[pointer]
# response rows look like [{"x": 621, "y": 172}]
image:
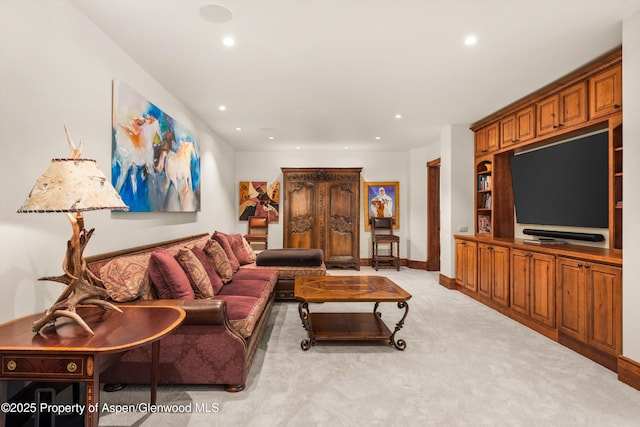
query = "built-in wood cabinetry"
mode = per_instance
[
  {"x": 562, "y": 110},
  {"x": 518, "y": 127},
  {"x": 487, "y": 139},
  {"x": 532, "y": 286},
  {"x": 321, "y": 209},
  {"x": 466, "y": 260},
  {"x": 493, "y": 273},
  {"x": 605, "y": 92},
  {"x": 590, "y": 303},
  {"x": 569, "y": 293}
]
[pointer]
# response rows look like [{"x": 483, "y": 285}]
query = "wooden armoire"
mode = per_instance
[{"x": 321, "y": 209}]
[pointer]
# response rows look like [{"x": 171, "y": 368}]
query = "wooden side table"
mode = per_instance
[{"x": 67, "y": 353}]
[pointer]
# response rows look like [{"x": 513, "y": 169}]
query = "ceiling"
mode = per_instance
[{"x": 329, "y": 74}]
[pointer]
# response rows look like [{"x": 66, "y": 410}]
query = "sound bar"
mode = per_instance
[{"x": 590, "y": 237}]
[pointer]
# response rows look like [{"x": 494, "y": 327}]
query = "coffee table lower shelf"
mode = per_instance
[{"x": 348, "y": 327}]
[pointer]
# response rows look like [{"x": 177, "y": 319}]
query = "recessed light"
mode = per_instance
[
  {"x": 238, "y": 129},
  {"x": 272, "y": 137},
  {"x": 222, "y": 108},
  {"x": 377, "y": 137},
  {"x": 297, "y": 148},
  {"x": 471, "y": 40},
  {"x": 228, "y": 41},
  {"x": 216, "y": 13},
  {"x": 398, "y": 116},
  {"x": 346, "y": 148}
]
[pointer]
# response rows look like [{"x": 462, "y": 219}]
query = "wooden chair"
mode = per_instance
[
  {"x": 382, "y": 234},
  {"x": 258, "y": 231}
]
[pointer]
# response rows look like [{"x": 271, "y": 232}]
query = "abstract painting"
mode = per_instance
[
  {"x": 155, "y": 163},
  {"x": 259, "y": 199},
  {"x": 382, "y": 199}
]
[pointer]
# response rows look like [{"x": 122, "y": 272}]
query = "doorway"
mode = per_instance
[{"x": 433, "y": 215}]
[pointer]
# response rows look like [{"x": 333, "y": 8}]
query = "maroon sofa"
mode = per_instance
[{"x": 218, "y": 339}]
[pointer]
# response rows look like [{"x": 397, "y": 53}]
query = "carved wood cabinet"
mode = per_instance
[{"x": 321, "y": 209}]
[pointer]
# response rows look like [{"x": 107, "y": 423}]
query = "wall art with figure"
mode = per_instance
[
  {"x": 382, "y": 199},
  {"x": 257, "y": 198},
  {"x": 155, "y": 163}
]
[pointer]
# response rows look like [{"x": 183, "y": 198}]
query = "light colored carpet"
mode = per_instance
[{"x": 464, "y": 365}]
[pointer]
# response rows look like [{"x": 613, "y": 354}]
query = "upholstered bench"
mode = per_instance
[{"x": 291, "y": 263}]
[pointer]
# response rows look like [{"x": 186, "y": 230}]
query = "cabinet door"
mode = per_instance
[
  {"x": 542, "y": 288},
  {"x": 604, "y": 309},
  {"x": 500, "y": 288},
  {"x": 519, "y": 283},
  {"x": 300, "y": 217},
  {"x": 485, "y": 269},
  {"x": 339, "y": 227},
  {"x": 481, "y": 141},
  {"x": 573, "y": 101},
  {"x": 460, "y": 262},
  {"x": 508, "y": 129},
  {"x": 571, "y": 298},
  {"x": 547, "y": 115},
  {"x": 605, "y": 92},
  {"x": 525, "y": 124},
  {"x": 471, "y": 282},
  {"x": 493, "y": 136}
]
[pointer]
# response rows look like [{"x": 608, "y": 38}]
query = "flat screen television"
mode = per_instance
[{"x": 566, "y": 184}]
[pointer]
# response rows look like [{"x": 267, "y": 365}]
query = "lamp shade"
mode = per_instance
[{"x": 72, "y": 185}]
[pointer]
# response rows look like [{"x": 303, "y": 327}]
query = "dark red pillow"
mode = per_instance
[
  {"x": 235, "y": 240},
  {"x": 168, "y": 277},
  {"x": 216, "y": 281},
  {"x": 223, "y": 241}
]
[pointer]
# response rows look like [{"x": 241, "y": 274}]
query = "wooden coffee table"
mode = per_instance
[
  {"x": 349, "y": 326},
  {"x": 67, "y": 353}
]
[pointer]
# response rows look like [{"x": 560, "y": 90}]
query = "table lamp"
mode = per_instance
[{"x": 74, "y": 185}]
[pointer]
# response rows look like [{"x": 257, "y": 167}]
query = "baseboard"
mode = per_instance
[
  {"x": 629, "y": 372},
  {"x": 418, "y": 265},
  {"x": 447, "y": 282}
]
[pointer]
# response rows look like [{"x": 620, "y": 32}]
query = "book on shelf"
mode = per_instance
[
  {"x": 486, "y": 201},
  {"x": 484, "y": 182}
]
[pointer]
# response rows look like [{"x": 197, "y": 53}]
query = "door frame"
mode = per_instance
[{"x": 433, "y": 215}]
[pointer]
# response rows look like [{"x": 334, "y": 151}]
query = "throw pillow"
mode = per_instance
[
  {"x": 196, "y": 273},
  {"x": 125, "y": 278},
  {"x": 216, "y": 281},
  {"x": 223, "y": 240},
  {"x": 235, "y": 240},
  {"x": 218, "y": 258},
  {"x": 249, "y": 249},
  {"x": 168, "y": 277}
]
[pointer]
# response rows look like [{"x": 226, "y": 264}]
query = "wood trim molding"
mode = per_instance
[
  {"x": 447, "y": 282},
  {"x": 629, "y": 372},
  {"x": 418, "y": 265}
]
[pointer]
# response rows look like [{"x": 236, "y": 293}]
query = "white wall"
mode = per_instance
[
  {"x": 376, "y": 166},
  {"x": 631, "y": 181},
  {"x": 456, "y": 191},
  {"x": 55, "y": 67},
  {"x": 418, "y": 159}
]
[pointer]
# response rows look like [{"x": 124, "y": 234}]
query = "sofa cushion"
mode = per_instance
[
  {"x": 125, "y": 278},
  {"x": 290, "y": 257},
  {"x": 216, "y": 281},
  {"x": 222, "y": 239},
  {"x": 237, "y": 246},
  {"x": 256, "y": 273},
  {"x": 196, "y": 273},
  {"x": 218, "y": 258},
  {"x": 249, "y": 249},
  {"x": 247, "y": 288},
  {"x": 243, "y": 312},
  {"x": 168, "y": 277}
]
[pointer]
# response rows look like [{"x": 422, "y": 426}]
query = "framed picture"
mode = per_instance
[
  {"x": 258, "y": 198},
  {"x": 155, "y": 164},
  {"x": 382, "y": 199}
]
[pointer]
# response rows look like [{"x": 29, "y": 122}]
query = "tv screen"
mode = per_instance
[{"x": 565, "y": 184}]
